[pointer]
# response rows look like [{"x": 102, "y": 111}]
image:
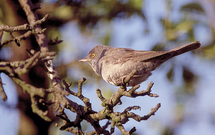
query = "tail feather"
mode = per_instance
[
  {"x": 164, "y": 56},
  {"x": 185, "y": 48}
]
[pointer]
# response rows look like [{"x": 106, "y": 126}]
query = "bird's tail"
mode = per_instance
[
  {"x": 164, "y": 56},
  {"x": 185, "y": 48}
]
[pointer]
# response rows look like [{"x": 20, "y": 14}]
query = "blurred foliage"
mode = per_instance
[
  {"x": 170, "y": 74},
  {"x": 193, "y": 7},
  {"x": 183, "y": 29},
  {"x": 168, "y": 131},
  {"x": 209, "y": 51},
  {"x": 189, "y": 78},
  {"x": 89, "y": 13}
]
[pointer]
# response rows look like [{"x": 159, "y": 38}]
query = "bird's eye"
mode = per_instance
[{"x": 93, "y": 55}]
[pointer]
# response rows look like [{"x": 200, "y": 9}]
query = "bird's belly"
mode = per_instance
[
  {"x": 137, "y": 80},
  {"x": 115, "y": 73}
]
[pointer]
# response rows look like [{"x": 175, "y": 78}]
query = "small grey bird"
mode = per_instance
[{"x": 115, "y": 64}]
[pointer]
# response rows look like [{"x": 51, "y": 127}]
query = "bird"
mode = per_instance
[{"x": 115, "y": 64}]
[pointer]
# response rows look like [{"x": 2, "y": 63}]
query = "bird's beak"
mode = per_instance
[{"x": 84, "y": 60}]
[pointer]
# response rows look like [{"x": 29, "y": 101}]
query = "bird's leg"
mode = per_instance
[
  {"x": 124, "y": 80},
  {"x": 129, "y": 77},
  {"x": 121, "y": 82}
]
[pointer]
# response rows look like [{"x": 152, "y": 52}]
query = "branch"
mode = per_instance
[
  {"x": 32, "y": 17},
  {"x": 21, "y": 67},
  {"x": 3, "y": 95},
  {"x": 24, "y": 27},
  {"x": 35, "y": 94},
  {"x": 56, "y": 41},
  {"x": 146, "y": 117},
  {"x": 59, "y": 100},
  {"x": 79, "y": 93},
  {"x": 133, "y": 93},
  {"x": 42, "y": 41}
]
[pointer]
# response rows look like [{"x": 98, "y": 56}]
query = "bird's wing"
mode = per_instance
[{"x": 121, "y": 55}]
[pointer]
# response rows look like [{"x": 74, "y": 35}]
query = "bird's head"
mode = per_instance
[{"x": 93, "y": 57}]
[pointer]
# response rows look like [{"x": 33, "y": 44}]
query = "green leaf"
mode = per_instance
[
  {"x": 137, "y": 4},
  {"x": 209, "y": 51},
  {"x": 192, "y": 7},
  {"x": 63, "y": 12},
  {"x": 189, "y": 79},
  {"x": 185, "y": 26},
  {"x": 170, "y": 74}
]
